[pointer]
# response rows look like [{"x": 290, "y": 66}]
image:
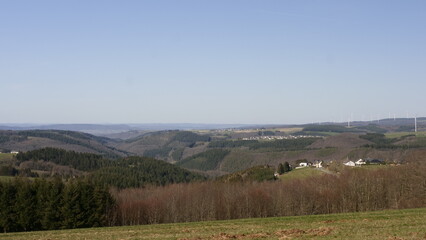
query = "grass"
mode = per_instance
[
  {"x": 11, "y": 178},
  {"x": 301, "y": 173},
  {"x": 401, "y": 134},
  {"x": 369, "y": 167},
  {"x": 6, "y": 157},
  {"x": 390, "y": 225},
  {"x": 6, "y": 179},
  {"x": 315, "y": 133}
]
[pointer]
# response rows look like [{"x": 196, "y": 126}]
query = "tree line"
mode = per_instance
[
  {"x": 380, "y": 141},
  {"x": 284, "y": 144},
  {"x": 47, "y": 205},
  {"x": 353, "y": 190},
  {"x": 40, "y": 205}
]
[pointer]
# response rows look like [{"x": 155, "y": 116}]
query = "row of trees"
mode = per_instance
[
  {"x": 283, "y": 168},
  {"x": 352, "y": 191},
  {"x": 285, "y": 144},
  {"x": 40, "y": 204},
  {"x": 45, "y": 205}
]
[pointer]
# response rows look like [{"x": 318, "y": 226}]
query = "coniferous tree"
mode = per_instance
[
  {"x": 281, "y": 169},
  {"x": 52, "y": 216},
  {"x": 26, "y": 206},
  {"x": 8, "y": 219},
  {"x": 287, "y": 167},
  {"x": 71, "y": 207}
]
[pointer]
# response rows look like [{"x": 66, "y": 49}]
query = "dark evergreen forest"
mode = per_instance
[{"x": 53, "y": 204}]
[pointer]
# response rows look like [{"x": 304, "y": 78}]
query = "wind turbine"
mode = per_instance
[{"x": 415, "y": 123}]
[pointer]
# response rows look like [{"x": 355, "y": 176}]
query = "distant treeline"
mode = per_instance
[
  {"x": 190, "y": 137},
  {"x": 139, "y": 172},
  {"x": 352, "y": 190},
  {"x": 6, "y": 136},
  {"x": 76, "y": 160},
  {"x": 204, "y": 161},
  {"x": 341, "y": 129},
  {"x": 47, "y": 205},
  {"x": 380, "y": 141},
  {"x": 283, "y": 144},
  {"x": 183, "y": 138},
  {"x": 120, "y": 173},
  {"x": 329, "y": 128}
]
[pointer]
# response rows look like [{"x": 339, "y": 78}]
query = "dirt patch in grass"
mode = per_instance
[
  {"x": 322, "y": 231},
  {"x": 283, "y": 234},
  {"x": 240, "y": 236}
]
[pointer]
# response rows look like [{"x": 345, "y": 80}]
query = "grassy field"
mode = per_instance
[
  {"x": 6, "y": 178},
  {"x": 400, "y": 134},
  {"x": 301, "y": 173},
  {"x": 6, "y": 156},
  {"x": 388, "y": 225}
]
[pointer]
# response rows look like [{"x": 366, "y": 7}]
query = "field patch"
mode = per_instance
[
  {"x": 392, "y": 224},
  {"x": 6, "y": 157},
  {"x": 301, "y": 173}
]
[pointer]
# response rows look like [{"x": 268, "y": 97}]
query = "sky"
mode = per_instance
[{"x": 218, "y": 61}]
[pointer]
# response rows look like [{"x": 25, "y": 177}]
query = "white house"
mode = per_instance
[
  {"x": 360, "y": 162},
  {"x": 318, "y": 164},
  {"x": 14, "y": 152},
  {"x": 303, "y": 164},
  {"x": 350, "y": 164}
]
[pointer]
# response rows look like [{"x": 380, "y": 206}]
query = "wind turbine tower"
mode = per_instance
[{"x": 415, "y": 123}]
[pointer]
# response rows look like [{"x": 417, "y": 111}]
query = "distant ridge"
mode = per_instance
[{"x": 105, "y": 129}]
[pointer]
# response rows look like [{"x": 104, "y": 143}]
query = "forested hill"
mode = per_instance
[
  {"x": 142, "y": 171},
  {"x": 78, "y": 161},
  {"x": 120, "y": 173},
  {"x": 76, "y": 141},
  {"x": 170, "y": 145}
]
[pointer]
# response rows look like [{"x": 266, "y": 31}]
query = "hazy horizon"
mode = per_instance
[{"x": 212, "y": 62}]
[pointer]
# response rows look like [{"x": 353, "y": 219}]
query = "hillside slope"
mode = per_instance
[
  {"x": 169, "y": 145},
  {"x": 74, "y": 141}
]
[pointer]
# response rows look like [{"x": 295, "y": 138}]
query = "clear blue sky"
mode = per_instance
[{"x": 211, "y": 61}]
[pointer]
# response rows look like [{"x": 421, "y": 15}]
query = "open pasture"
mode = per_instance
[{"x": 388, "y": 225}]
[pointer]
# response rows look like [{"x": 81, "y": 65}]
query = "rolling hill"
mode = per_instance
[
  {"x": 121, "y": 173},
  {"x": 28, "y": 140}
]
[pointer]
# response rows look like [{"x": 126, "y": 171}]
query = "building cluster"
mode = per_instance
[
  {"x": 316, "y": 163},
  {"x": 361, "y": 162},
  {"x": 12, "y": 152},
  {"x": 277, "y": 137}
]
